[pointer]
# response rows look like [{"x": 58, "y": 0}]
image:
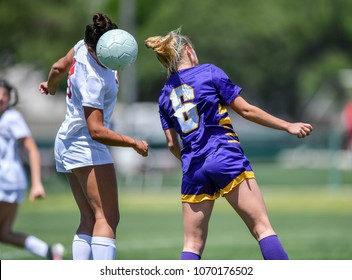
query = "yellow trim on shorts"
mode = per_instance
[
  {"x": 204, "y": 197},
  {"x": 235, "y": 182}
]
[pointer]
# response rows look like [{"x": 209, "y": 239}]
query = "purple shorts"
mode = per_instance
[{"x": 215, "y": 175}]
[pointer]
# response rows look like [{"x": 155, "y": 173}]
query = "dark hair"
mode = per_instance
[
  {"x": 101, "y": 24},
  {"x": 10, "y": 89}
]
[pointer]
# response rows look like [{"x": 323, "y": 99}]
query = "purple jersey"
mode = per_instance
[{"x": 194, "y": 102}]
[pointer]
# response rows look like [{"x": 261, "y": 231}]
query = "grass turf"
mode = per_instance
[{"x": 312, "y": 220}]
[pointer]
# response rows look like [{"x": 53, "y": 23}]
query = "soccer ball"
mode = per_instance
[{"x": 117, "y": 49}]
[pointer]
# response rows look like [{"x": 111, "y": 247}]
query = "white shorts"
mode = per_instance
[
  {"x": 79, "y": 152},
  {"x": 12, "y": 196}
]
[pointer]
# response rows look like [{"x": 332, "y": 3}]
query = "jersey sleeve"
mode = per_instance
[
  {"x": 18, "y": 126},
  {"x": 227, "y": 89},
  {"x": 166, "y": 122}
]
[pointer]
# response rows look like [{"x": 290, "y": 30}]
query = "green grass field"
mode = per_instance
[{"x": 313, "y": 219}]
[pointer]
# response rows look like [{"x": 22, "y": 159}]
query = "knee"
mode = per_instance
[{"x": 110, "y": 220}]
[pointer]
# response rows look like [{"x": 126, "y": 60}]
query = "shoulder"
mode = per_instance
[
  {"x": 80, "y": 52},
  {"x": 215, "y": 68},
  {"x": 209, "y": 68},
  {"x": 79, "y": 45},
  {"x": 12, "y": 114},
  {"x": 13, "y": 120},
  {"x": 217, "y": 73}
]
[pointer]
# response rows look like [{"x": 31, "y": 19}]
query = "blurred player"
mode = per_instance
[
  {"x": 193, "y": 104},
  {"x": 81, "y": 145},
  {"x": 13, "y": 180},
  {"x": 347, "y": 122}
]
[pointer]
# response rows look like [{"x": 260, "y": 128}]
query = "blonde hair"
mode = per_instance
[{"x": 168, "y": 49}]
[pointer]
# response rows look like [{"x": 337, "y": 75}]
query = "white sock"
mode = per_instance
[
  {"x": 103, "y": 248},
  {"x": 36, "y": 246},
  {"x": 81, "y": 247}
]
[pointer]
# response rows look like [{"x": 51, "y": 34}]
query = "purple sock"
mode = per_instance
[
  {"x": 189, "y": 256},
  {"x": 272, "y": 249}
]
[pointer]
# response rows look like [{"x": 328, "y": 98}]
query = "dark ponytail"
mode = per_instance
[{"x": 101, "y": 24}]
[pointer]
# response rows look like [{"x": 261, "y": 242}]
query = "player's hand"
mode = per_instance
[
  {"x": 141, "y": 147},
  {"x": 37, "y": 192},
  {"x": 301, "y": 130},
  {"x": 43, "y": 88}
]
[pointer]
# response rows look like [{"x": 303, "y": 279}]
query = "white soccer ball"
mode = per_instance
[{"x": 117, "y": 49}]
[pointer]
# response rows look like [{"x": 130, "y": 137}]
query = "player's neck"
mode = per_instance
[
  {"x": 185, "y": 65},
  {"x": 189, "y": 60}
]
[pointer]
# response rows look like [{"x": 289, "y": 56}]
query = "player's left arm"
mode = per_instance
[
  {"x": 259, "y": 116},
  {"x": 37, "y": 189}
]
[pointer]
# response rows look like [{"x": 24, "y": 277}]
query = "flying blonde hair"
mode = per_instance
[{"x": 168, "y": 49}]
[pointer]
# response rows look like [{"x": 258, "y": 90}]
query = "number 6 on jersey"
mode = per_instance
[{"x": 185, "y": 111}]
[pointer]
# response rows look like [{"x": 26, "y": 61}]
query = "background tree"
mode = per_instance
[
  {"x": 38, "y": 32},
  {"x": 279, "y": 51}
]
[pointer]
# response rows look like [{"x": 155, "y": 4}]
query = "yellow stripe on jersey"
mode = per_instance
[
  {"x": 233, "y": 141},
  {"x": 225, "y": 121},
  {"x": 232, "y": 134},
  {"x": 192, "y": 198},
  {"x": 228, "y": 126},
  {"x": 222, "y": 109}
]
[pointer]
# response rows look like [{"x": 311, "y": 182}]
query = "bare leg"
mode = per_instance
[
  {"x": 36, "y": 246},
  {"x": 87, "y": 219},
  {"x": 196, "y": 218},
  {"x": 95, "y": 191},
  {"x": 8, "y": 213},
  {"x": 247, "y": 200},
  {"x": 97, "y": 198}
]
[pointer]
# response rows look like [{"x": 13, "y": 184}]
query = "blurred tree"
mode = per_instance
[
  {"x": 279, "y": 51},
  {"x": 38, "y": 32}
]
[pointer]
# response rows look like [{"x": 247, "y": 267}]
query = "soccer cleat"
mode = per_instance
[{"x": 56, "y": 251}]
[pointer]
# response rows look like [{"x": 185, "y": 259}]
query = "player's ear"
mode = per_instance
[
  {"x": 188, "y": 50},
  {"x": 191, "y": 54}
]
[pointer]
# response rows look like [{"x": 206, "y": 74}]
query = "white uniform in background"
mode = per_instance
[{"x": 13, "y": 179}]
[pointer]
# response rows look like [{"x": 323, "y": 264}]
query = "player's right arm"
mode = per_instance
[
  {"x": 37, "y": 189},
  {"x": 106, "y": 136},
  {"x": 172, "y": 142},
  {"x": 57, "y": 71}
]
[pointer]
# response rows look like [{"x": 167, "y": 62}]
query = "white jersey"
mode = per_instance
[
  {"x": 90, "y": 85},
  {"x": 12, "y": 128}
]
